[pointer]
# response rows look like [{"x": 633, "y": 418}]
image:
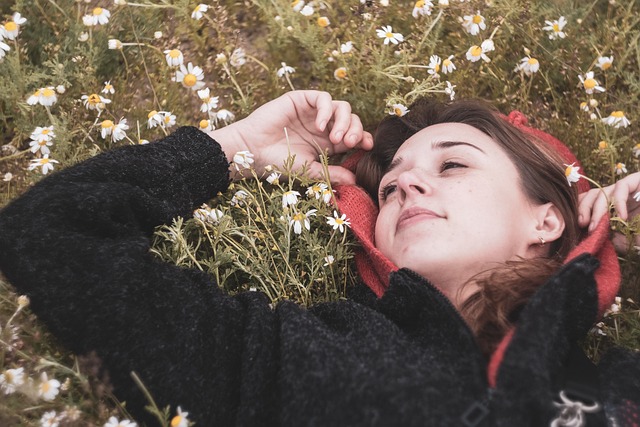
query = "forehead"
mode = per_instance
[{"x": 456, "y": 132}]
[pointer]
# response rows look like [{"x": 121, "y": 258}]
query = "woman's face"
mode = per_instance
[{"x": 452, "y": 206}]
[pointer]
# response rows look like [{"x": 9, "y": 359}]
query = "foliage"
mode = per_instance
[{"x": 242, "y": 47}]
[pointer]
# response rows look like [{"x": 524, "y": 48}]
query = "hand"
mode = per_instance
[
  {"x": 313, "y": 122},
  {"x": 625, "y": 195}
]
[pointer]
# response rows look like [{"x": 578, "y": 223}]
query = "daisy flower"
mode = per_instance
[
  {"x": 346, "y": 47},
  {"x": 225, "y": 116},
  {"x": 297, "y": 5},
  {"x": 94, "y": 101},
  {"x": 443, "y": 2},
  {"x": 50, "y": 419},
  {"x": 620, "y": 168},
  {"x": 602, "y": 146},
  {"x": 48, "y": 388},
  {"x": 199, "y": 11},
  {"x": 340, "y": 73},
  {"x": 168, "y": 119},
  {"x": 636, "y": 197},
  {"x": 273, "y": 178},
  {"x": 449, "y": 90},
  {"x": 11, "y": 29},
  {"x": 42, "y": 140},
  {"x": 528, "y": 65},
  {"x": 590, "y": 83},
  {"x": 338, "y": 222},
  {"x": 300, "y": 220},
  {"x": 114, "y": 44},
  {"x": 307, "y": 10},
  {"x": 181, "y": 419},
  {"x": 154, "y": 119},
  {"x": 323, "y": 22},
  {"x": 327, "y": 195},
  {"x": 44, "y": 162},
  {"x": 422, "y": 8},
  {"x": 434, "y": 65},
  {"x": 238, "y": 198},
  {"x": 285, "y": 69},
  {"x": 448, "y": 66},
  {"x": 4, "y": 48},
  {"x": 290, "y": 198},
  {"x": 636, "y": 150},
  {"x": 238, "y": 57},
  {"x": 617, "y": 119},
  {"x": 114, "y": 422},
  {"x": 474, "y": 23},
  {"x": 206, "y": 125},
  {"x": 98, "y": 16},
  {"x": 555, "y": 28},
  {"x": 584, "y": 106},
  {"x": 328, "y": 260},
  {"x": 399, "y": 110},
  {"x": 108, "y": 88},
  {"x": 243, "y": 160},
  {"x": 190, "y": 76},
  {"x": 388, "y": 35},
  {"x": 476, "y": 53},
  {"x": 604, "y": 62},
  {"x": 6, "y": 178},
  {"x": 11, "y": 379},
  {"x": 316, "y": 190},
  {"x": 572, "y": 173},
  {"x": 206, "y": 214},
  {"x": 208, "y": 102},
  {"x": 118, "y": 132},
  {"x": 44, "y": 96},
  {"x": 174, "y": 57}
]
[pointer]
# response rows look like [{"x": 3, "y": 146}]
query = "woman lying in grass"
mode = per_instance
[{"x": 491, "y": 280}]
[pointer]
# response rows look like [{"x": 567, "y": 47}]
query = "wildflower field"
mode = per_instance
[{"x": 79, "y": 77}]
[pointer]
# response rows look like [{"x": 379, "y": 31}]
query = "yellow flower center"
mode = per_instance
[
  {"x": 556, "y": 28},
  {"x": 617, "y": 114},
  {"x": 294, "y": 3},
  {"x": 204, "y": 124},
  {"x": 107, "y": 124},
  {"x": 190, "y": 80},
  {"x": 389, "y": 35},
  {"x": 339, "y": 221},
  {"x": 8, "y": 376},
  {"x": 323, "y": 21},
  {"x": 45, "y": 131},
  {"x": 151, "y": 114},
  {"x": 420, "y": 4},
  {"x": 174, "y": 53},
  {"x": 590, "y": 83},
  {"x": 436, "y": 68},
  {"x": 619, "y": 166},
  {"x": 10, "y": 26},
  {"x": 167, "y": 119},
  {"x": 97, "y": 11},
  {"x": 532, "y": 61},
  {"x": 341, "y": 73},
  {"x": 398, "y": 111},
  {"x": 603, "y": 145},
  {"x": 108, "y": 87},
  {"x": 299, "y": 217},
  {"x": 42, "y": 143},
  {"x": 175, "y": 421},
  {"x": 477, "y": 19},
  {"x": 93, "y": 99},
  {"x": 446, "y": 63},
  {"x": 476, "y": 51},
  {"x": 46, "y": 92},
  {"x": 605, "y": 65}
]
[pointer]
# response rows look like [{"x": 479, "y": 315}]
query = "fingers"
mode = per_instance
[{"x": 592, "y": 206}]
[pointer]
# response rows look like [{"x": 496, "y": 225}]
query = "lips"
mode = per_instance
[{"x": 414, "y": 214}]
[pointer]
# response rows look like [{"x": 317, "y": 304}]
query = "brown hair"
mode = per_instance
[{"x": 504, "y": 290}]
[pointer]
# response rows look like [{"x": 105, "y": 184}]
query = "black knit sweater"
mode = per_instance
[{"x": 77, "y": 244}]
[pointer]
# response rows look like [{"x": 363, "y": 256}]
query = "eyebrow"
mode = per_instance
[{"x": 439, "y": 145}]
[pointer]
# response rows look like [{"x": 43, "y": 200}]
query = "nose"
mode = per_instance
[{"x": 411, "y": 184}]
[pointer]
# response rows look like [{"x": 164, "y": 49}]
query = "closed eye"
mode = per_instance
[
  {"x": 386, "y": 191},
  {"x": 447, "y": 165}
]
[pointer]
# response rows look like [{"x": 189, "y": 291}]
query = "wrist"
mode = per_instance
[{"x": 231, "y": 141}]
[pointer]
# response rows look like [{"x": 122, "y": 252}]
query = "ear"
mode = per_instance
[{"x": 549, "y": 224}]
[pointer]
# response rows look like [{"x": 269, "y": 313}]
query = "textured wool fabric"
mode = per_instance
[{"x": 406, "y": 358}]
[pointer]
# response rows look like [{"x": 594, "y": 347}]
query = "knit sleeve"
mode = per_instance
[{"x": 77, "y": 244}]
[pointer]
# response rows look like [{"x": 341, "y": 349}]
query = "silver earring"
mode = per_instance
[{"x": 542, "y": 241}]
